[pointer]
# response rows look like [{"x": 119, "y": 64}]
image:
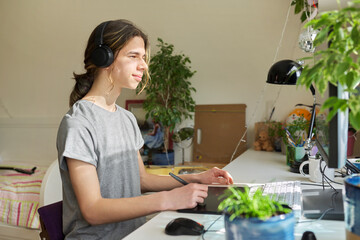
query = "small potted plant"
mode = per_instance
[{"x": 256, "y": 216}]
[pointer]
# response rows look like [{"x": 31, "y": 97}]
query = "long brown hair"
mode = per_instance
[{"x": 116, "y": 35}]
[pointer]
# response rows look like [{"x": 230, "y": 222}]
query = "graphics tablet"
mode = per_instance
[
  {"x": 211, "y": 203},
  {"x": 317, "y": 202}
]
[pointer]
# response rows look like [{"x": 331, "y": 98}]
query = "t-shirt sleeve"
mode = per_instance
[
  {"x": 76, "y": 140},
  {"x": 139, "y": 139}
]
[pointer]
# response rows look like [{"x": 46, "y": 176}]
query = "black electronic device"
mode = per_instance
[
  {"x": 211, "y": 202},
  {"x": 184, "y": 226},
  {"x": 324, "y": 203},
  {"x": 308, "y": 235},
  {"x": 102, "y": 56}
]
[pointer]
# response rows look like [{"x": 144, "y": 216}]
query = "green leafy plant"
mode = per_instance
[
  {"x": 168, "y": 96},
  {"x": 339, "y": 63},
  {"x": 183, "y": 134},
  {"x": 239, "y": 203},
  {"x": 296, "y": 128},
  {"x": 276, "y": 130}
]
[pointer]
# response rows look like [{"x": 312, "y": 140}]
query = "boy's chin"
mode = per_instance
[{"x": 132, "y": 87}]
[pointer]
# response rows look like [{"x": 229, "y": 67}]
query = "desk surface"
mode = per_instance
[{"x": 251, "y": 167}]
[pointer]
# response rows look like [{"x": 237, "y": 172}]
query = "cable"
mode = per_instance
[
  {"x": 207, "y": 230},
  {"x": 324, "y": 177},
  {"x": 324, "y": 213},
  {"x": 321, "y": 217},
  {"x": 329, "y": 209}
]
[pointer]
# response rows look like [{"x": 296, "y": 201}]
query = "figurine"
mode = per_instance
[{"x": 263, "y": 142}]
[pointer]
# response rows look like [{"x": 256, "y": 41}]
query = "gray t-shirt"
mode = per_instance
[{"x": 109, "y": 141}]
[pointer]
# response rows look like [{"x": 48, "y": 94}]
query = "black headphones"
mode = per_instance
[{"x": 102, "y": 56}]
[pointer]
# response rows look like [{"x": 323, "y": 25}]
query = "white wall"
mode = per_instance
[
  {"x": 329, "y": 5},
  {"x": 231, "y": 44}
]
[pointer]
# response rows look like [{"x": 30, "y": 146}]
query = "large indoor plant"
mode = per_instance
[
  {"x": 256, "y": 216},
  {"x": 168, "y": 96},
  {"x": 338, "y": 63}
]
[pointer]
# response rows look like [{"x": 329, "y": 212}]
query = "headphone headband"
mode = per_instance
[
  {"x": 100, "y": 33},
  {"x": 102, "y": 56}
]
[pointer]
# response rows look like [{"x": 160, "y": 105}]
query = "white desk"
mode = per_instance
[{"x": 251, "y": 167}]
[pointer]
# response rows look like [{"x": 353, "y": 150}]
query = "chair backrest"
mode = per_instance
[
  {"x": 51, "y": 187},
  {"x": 51, "y": 221}
]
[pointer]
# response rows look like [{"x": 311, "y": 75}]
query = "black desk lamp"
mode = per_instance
[{"x": 287, "y": 72}]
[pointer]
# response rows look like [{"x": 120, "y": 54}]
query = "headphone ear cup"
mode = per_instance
[{"x": 102, "y": 56}]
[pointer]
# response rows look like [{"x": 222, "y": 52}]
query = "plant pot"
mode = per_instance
[
  {"x": 352, "y": 206},
  {"x": 294, "y": 157},
  {"x": 162, "y": 159},
  {"x": 274, "y": 228}
]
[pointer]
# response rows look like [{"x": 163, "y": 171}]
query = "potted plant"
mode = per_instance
[
  {"x": 339, "y": 63},
  {"x": 256, "y": 216},
  {"x": 291, "y": 146},
  {"x": 168, "y": 96},
  {"x": 295, "y": 128}
]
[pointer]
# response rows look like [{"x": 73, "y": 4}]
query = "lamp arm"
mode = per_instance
[
  {"x": 312, "y": 122},
  {"x": 308, "y": 144},
  {"x": 312, "y": 89}
]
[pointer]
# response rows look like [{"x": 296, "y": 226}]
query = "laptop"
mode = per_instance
[{"x": 211, "y": 203}]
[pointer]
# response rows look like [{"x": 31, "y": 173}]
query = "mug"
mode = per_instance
[{"x": 314, "y": 169}]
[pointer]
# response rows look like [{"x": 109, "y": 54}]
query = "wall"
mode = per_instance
[
  {"x": 28, "y": 140},
  {"x": 329, "y": 5},
  {"x": 231, "y": 44}
]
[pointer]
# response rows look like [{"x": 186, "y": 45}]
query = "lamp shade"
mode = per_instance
[{"x": 284, "y": 72}]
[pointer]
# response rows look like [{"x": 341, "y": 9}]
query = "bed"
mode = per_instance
[{"x": 19, "y": 219}]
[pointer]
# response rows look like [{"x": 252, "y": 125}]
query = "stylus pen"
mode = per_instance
[{"x": 178, "y": 179}]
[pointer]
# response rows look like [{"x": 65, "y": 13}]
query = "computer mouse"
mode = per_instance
[
  {"x": 184, "y": 226},
  {"x": 308, "y": 235}
]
